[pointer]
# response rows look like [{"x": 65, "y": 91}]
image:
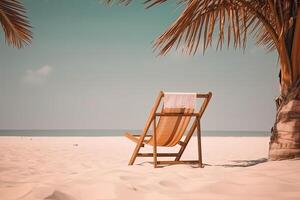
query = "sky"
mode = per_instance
[{"x": 92, "y": 66}]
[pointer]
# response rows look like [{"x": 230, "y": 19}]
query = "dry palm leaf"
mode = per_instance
[
  {"x": 233, "y": 18},
  {"x": 271, "y": 22},
  {"x": 14, "y": 23},
  {"x": 202, "y": 20}
]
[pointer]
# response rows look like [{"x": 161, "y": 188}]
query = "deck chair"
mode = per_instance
[{"x": 169, "y": 126}]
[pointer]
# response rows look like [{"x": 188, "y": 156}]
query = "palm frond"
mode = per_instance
[
  {"x": 14, "y": 23},
  {"x": 203, "y": 21},
  {"x": 151, "y": 3},
  {"x": 218, "y": 18}
]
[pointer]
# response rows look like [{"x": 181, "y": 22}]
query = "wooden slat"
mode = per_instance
[
  {"x": 199, "y": 142},
  {"x": 158, "y": 154},
  {"x": 198, "y": 95},
  {"x": 176, "y": 114},
  {"x": 178, "y": 162},
  {"x": 154, "y": 146},
  {"x": 203, "y": 95}
]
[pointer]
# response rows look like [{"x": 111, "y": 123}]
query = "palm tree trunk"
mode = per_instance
[{"x": 285, "y": 139}]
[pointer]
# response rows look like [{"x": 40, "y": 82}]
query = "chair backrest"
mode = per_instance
[{"x": 170, "y": 129}]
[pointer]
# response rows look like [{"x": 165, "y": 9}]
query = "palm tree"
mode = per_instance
[
  {"x": 14, "y": 23},
  {"x": 274, "y": 24}
]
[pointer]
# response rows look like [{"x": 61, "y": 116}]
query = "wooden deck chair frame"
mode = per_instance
[{"x": 140, "y": 139}]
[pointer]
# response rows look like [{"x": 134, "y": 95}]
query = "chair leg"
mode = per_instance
[
  {"x": 134, "y": 155},
  {"x": 155, "y": 144},
  {"x": 199, "y": 143},
  {"x": 137, "y": 149}
]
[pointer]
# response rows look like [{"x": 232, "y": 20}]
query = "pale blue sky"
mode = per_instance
[{"x": 92, "y": 67}]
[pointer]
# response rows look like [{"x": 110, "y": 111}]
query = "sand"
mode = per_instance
[{"x": 92, "y": 168}]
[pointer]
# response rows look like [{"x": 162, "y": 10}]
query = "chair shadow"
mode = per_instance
[
  {"x": 167, "y": 165},
  {"x": 236, "y": 163},
  {"x": 245, "y": 163}
]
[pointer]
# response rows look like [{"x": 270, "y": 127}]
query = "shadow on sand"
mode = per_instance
[
  {"x": 235, "y": 163},
  {"x": 244, "y": 163}
]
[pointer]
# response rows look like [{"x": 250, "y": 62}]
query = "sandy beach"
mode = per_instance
[{"x": 93, "y": 168}]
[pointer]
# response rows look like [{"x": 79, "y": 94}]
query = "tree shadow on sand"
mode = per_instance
[{"x": 245, "y": 163}]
